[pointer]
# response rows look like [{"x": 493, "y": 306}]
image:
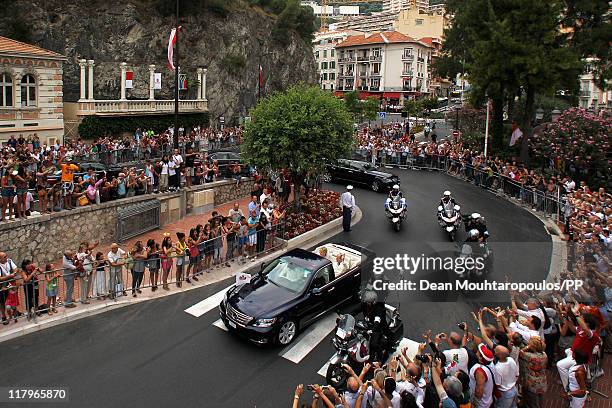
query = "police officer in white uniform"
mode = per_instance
[{"x": 347, "y": 202}]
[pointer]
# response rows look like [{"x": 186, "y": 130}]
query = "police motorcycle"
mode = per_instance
[
  {"x": 357, "y": 342},
  {"x": 480, "y": 257},
  {"x": 395, "y": 207},
  {"x": 449, "y": 215}
]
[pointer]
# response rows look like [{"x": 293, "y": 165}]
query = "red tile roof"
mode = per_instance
[
  {"x": 13, "y": 47},
  {"x": 378, "y": 38}
]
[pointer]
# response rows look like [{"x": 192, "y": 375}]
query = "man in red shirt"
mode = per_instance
[{"x": 586, "y": 339}]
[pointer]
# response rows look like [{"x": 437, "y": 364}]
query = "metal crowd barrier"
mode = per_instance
[
  {"x": 551, "y": 204},
  {"x": 118, "y": 157},
  {"x": 108, "y": 282}
]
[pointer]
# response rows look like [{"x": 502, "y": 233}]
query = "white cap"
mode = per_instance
[
  {"x": 473, "y": 233},
  {"x": 447, "y": 193},
  {"x": 475, "y": 216},
  {"x": 349, "y": 187},
  {"x": 395, "y": 187}
]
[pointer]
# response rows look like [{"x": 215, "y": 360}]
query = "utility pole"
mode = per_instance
[{"x": 176, "y": 82}]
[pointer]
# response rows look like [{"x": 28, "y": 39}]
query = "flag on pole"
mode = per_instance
[
  {"x": 516, "y": 134},
  {"x": 171, "y": 43},
  {"x": 260, "y": 76},
  {"x": 129, "y": 77},
  {"x": 158, "y": 81},
  {"x": 182, "y": 82}
]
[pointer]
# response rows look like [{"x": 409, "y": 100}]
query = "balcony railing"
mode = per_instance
[
  {"x": 127, "y": 107},
  {"x": 374, "y": 88},
  {"x": 362, "y": 58},
  {"x": 585, "y": 94},
  {"x": 408, "y": 89},
  {"x": 408, "y": 57},
  {"x": 407, "y": 73},
  {"x": 374, "y": 74},
  {"x": 363, "y": 74},
  {"x": 375, "y": 58}
]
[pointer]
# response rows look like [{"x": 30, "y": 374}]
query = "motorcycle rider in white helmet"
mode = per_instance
[
  {"x": 394, "y": 193},
  {"x": 446, "y": 202},
  {"x": 477, "y": 222}
]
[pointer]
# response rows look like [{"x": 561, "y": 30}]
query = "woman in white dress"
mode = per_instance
[{"x": 100, "y": 290}]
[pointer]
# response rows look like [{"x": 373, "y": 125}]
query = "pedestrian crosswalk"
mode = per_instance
[
  {"x": 306, "y": 341},
  {"x": 208, "y": 304}
]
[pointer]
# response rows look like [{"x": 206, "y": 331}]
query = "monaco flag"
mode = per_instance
[
  {"x": 260, "y": 76},
  {"x": 171, "y": 43}
]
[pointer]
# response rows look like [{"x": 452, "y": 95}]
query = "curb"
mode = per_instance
[
  {"x": 315, "y": 233},
  {"x": 323, "y": 233}
]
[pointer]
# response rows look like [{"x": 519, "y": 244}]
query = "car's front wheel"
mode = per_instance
[
  {"x": 287, "y": 332},
  {"x": 375, "y": 185}
]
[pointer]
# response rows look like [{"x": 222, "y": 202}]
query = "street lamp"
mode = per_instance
[
  {"x": 539, "y": 114},
  {"x": 554, "y": 115}
]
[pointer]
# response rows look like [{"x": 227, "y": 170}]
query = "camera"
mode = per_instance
[
  {"x": 311, "y": 388},
  {"x": 461, "y": 326},
  {"x": 424, "y": 358}
]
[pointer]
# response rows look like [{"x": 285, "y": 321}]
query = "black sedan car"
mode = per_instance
[
  {"x": 293, "y": 291},
  {"x": 361, "y": 173}
]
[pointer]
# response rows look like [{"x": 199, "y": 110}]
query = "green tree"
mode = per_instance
[
  {"x": 429, "y": 103},
  {"x": 300, "y": 130},
  {"x": 352, "y": 103},
  {"x": 510, "y": 48},
  {"x": 413, "y": 108},
  {"x": 589, "y": 21},
  {"x": 370, "y": 107}
]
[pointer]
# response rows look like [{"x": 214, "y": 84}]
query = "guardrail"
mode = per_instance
[
  {"x": 54, "y": 288},
  {"x": 550, "y": 203}
]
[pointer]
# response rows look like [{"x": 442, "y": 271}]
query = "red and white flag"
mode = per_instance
[
  {"x": 260, "y": 76},
  {"x": 129, "y": 77},
  {"x": 171, "y": 43},
  {"x": 516, "y": 134}
]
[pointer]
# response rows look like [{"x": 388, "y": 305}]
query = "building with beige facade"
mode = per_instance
[
  {"x": 387, "y": 65},
  {"x": 324, "y": 46},
  {"x": 31, "y": 92},
  {"x": 396, "y": 6},
  {"x": 591, "y": 96},
  {"x": 419, "y": 24}
]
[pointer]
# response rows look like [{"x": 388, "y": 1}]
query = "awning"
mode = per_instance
[
  {"x": 366, "y": 94},
  {"x": 392, "y": 95}
]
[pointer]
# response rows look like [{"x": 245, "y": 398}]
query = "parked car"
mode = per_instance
[
  {"x": 361, "y": 173},
  {"x": 225, "y": 159},
  {"x": 291, "y": 292}
]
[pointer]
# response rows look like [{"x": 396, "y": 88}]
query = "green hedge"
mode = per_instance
[{"x": 95, "y": 126}]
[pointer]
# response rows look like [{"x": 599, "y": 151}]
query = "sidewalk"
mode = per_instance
[{"x": 23, "y": 326}]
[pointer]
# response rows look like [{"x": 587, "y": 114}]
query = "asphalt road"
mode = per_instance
[{"x": 153, "y": 354}]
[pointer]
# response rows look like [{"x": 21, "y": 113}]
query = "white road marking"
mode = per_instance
[
  {"x": 207, "y": 304},
  {"x": 219, "y": 323},
  {"x": 309, "y": 339},
  {"x": 412, "y": 346}
]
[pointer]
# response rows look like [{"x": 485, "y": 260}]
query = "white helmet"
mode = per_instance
[
  {"x": 473, "y": 233},
  {"x": 447, "y": 193},
  {"x": 396, "y": 187},
  {"x": 475, "y": 216}
]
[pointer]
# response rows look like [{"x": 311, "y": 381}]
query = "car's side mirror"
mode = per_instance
[{"x": 316, "y": 291}]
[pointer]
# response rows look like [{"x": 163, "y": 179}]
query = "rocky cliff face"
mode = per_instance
[{"x": 132, "y": 31}]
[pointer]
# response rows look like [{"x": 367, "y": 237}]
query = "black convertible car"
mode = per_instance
[
  {"x": 361, "y": 173},
  {"x": 293, "y": 291}
]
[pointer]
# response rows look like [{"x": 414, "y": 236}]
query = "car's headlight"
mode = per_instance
[{"x": 264, "y": 322}]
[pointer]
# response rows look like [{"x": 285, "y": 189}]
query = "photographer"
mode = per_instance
[{"x": 448, "y": 391}]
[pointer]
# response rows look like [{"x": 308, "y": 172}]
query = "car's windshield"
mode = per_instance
[{"x": 284, "y": 273}]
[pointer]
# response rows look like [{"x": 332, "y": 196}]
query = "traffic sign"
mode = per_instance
[{"x": 382, "y": 115}]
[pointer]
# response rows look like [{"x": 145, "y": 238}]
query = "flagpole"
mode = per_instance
[
  {"x": 176, "y": 81},
  {"x": 486, "y": 130}
]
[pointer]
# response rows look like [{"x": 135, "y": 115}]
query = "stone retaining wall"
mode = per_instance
[{"x": 43, "y": 238}]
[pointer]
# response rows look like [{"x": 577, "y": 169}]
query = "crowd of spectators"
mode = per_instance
[
  {"x": 500, "y": 361},
  {"x": 53, "y": 175},
  {"x": 585, "y": 213},
  {"x": 240, "y": 235}
]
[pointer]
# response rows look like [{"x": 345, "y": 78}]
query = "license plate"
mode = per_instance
[{"x": 232, "y": 324}]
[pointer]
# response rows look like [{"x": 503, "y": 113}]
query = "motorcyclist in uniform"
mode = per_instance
[
  {"x": 447, "y": 201},
  {"x": 375, "y": 317},
  {"x": 477, "y": 222},
  {"x": 394, "y": 193}
]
